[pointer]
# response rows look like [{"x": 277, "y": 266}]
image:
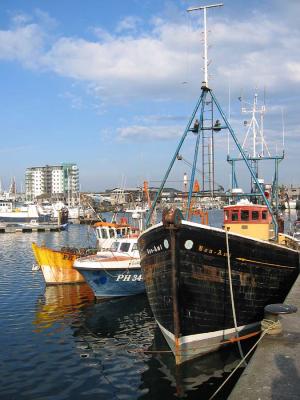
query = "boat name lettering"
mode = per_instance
[
  {"x": 155, "y": 249},
  {"x": 67, "y": 257},
  {"x": 207, "y": 250},
  {"x": 126, "y": 278},
  {"x": 134, "y": 262}
]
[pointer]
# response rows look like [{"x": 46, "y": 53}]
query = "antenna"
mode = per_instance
[
  {"x": 283, "y": 128},
  {"x": 255, "y": 128},
  {"x": 204, "y": 8}
]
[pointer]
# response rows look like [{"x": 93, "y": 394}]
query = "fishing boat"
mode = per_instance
[
  {"x": 113, "y": 273},
  {"x": 208, "y": 286},
  {"x": 9, "y": 212},
  {"x": 57, "y": 265}
]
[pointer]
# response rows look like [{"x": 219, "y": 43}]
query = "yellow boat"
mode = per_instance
[{"x": 57, "y": 265}]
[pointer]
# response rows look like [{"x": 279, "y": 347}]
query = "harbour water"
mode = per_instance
[{"x": 57, "y": 343}]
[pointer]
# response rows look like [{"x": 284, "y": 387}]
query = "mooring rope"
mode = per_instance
[
  {"x": 231, "y": 293},
  {"x": 270, "y": 326}
]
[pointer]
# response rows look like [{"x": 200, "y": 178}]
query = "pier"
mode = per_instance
[
  {"x": 29, "y": 229},
  {"x": 274, "y": 370}
]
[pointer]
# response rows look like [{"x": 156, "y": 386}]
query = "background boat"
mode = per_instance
[
  {"x": 57, "y": 265},
  {"x": 113, "y": 273}
]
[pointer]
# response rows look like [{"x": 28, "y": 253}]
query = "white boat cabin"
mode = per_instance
[
  {"x": 6, "y": 206},
  {"x": 126, "y": 246},
  {"x": 107, "y": 232}
]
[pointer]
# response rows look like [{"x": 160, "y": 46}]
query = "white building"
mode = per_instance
[{"x": 58, "y": 180}]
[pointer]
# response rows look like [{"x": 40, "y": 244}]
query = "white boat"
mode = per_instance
[
  {"x": 11, "y": 213},
  {"x": 113, "y": 273},
  {"x": 291, "y": 204},
  {"x": 74, "y": 212}
]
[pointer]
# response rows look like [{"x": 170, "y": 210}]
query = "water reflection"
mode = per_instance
[
  {"x": 58, "y": 343},
  {"x": 121, "y": 334},
  {"x": 198, "y": 378},
  {"x": 59, "y": 301},
  {"x": 109, "y": 338}
]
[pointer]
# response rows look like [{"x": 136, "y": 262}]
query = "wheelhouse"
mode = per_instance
[
  {"x": 250, "y": 220},
  {"x": 106, "y": 232}
]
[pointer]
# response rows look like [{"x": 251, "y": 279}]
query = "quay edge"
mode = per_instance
[{"x": 274, "y": 369}]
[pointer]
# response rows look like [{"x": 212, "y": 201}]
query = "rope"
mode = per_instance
[
  {"x": 231, "y": 294},
  {"x": 240, "y": 363},
  {"x": 273, "y": 327}
]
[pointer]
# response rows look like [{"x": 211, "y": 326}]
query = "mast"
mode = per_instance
[
  {"x": 205, "y": 58},
  {"x": 198, "y": 125},
  {"x": 257, "y": 129}
]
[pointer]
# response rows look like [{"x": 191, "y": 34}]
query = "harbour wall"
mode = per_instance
[{"x": 274, "y": 370}]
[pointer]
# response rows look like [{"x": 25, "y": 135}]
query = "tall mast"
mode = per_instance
[
  {"x": 198, "y": 127},
  {"x": 257, "y": 129},
  {"x": 205, "y": 68}
]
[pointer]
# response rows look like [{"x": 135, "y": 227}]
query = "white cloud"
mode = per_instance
[
  {"x": 257, "y": 51},
  {"x": 129, "y": 23},
  {"x": 24, "y": 44},
  {"x": 261, "y": 49},
  {"x": 142, "y": 132},
  {"x": 293, "y": 68},
  {"x": 75, "y": 100}
]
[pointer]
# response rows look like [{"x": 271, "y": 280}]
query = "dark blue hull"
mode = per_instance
[{"x": 114, "y": 283}]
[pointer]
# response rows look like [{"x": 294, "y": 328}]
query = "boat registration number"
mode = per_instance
[{"x": 127, "y": 277}]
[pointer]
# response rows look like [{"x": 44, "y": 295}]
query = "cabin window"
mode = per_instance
[
  {"x": 255, "y": 215},
  {"x": 111, "y": 233},
  {"x": 124, "y": 247},
  {"x": 134, "y": 247},
  {"x": 264, "y": 214},
  {"x": 235, "y": 216},
  {"x": 104, "y": 234},
  {"x": 226, "y": 215},
  {"x": 245, "y": 215},
  {"x": 114, "y": 246}
]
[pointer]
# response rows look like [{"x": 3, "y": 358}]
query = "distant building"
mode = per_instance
[
  {"x": 293, "y": 192},
  {"x": 129, "y": 195},
  {"x": 61, "y": 181}
]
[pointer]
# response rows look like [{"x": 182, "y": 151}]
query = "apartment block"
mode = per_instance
[{"x": 52, "y": 180}]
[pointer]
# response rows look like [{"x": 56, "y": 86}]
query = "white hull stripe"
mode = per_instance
[{"x": 204, "y": 336}]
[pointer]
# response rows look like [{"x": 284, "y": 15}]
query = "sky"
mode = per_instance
[{"x": 111, "y": 85}]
